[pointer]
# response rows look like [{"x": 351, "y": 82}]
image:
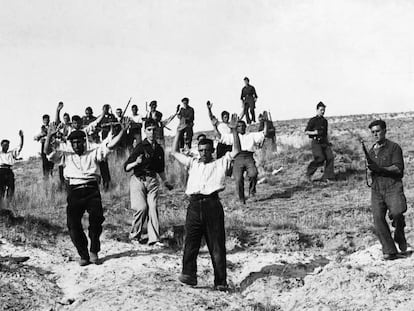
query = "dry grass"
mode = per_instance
[{"x": 284, "y": 203}]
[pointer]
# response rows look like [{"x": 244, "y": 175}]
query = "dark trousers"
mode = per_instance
[
  {"x": 81, "y": 200},
  {"x": 222, "y": 149},
  {"x": 47, "y": 166},
  {"x": 388, "y": 195},
  {"x": 205, "y": 216},
  {"x": 244, "y": 162},
  {"x": 248, "y": 111},
  {"x": 63, "y": 182},
  {"x": 6, "y": 183},
  {"x": 186, "y": 137},
  {"x": 106, "y": 176},
  {"x": 322, "y": 153}
]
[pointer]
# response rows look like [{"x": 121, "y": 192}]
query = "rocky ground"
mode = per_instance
[{"x": 137, "y": 277}]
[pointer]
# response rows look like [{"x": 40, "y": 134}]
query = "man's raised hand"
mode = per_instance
[
  {"x": 233, "y": 121},
  {"x": 21, "y": 133},
  {"x": 209, "y": 105},
  {"x": 60, "y": 106},
  {"x": 52, "y": 129}
]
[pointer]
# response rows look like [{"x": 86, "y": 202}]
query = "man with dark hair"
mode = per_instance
[
  {"x": 186, "y": 116},
  {"x": 47, "y": 166},
  {"x": 248, "y": 98},
  {"x": 317, "y": 130},
  {"x": 7, "y": 160},
  {"x": 387, "y": 194},
  {"x": 222, "y": 127},
  {"x": 205, "y": 214},
  {"x": 134, "y": 132},
  {"x": 64, "y": 128},
  {"x": 81, "y": 170},
  {"x": 120, "y": 150},
  {"x": 146, "y": 160},
  {"x": 106, "y": 122},
  {"x": 88, "y": 118},
  {"x": 244, "y": 161},
  {"x": 156, "y": 116}
]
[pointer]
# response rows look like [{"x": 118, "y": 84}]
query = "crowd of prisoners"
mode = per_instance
[{"x": 80, "y": 146}]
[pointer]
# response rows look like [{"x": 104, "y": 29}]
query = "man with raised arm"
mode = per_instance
[
  {"x": 387, "y": 194},
  {"x": 47, "y": 166},
  {"x": 244, "y": 161},
  {"x": 205, "y": 216},
  {"x": 81, "y": 170},
  {"x": 134, "y": 133},
  {"x": 147, "y": 161},
  {"x": 65, "y": 128},
  {"x": 7, "y": 160},
  {"x": 222, "y": 127}
]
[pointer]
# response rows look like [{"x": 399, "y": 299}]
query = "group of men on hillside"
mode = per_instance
[{"x": 80, "y": 147}]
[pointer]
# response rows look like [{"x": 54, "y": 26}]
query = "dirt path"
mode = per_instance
[{"x": 136, "y": 277}]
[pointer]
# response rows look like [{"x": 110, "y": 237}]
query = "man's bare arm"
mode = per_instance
[{"x": 21, "y": 140}]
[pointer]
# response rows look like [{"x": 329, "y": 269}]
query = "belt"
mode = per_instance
[
  {"x": 199, "y": 196},
  {"x": 91, "y": 184},
  {"x": 143, "y": 175},
  {"x": 5, "y": 166}
]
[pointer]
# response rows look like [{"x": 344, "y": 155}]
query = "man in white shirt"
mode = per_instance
[
  {"x": 7, "y": 160},
  {"x": 222, "y": 127},
  {"x": 244, "y": 161},
  {"x": 134, "y": 132},
  {"x": 205, "y": 216},
  {"x": 81, "y": 169}
]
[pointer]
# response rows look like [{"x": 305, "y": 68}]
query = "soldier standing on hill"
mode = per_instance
[
  {"x": 7, "y": 159},
  {"x": 205, "y": 215},
  {"x": 81, "y": 170},
  {"x": 248, "y": 98},
  {"x": 47, "y": 166},
  {"x": 317, "y": 129},
  {"x": 147, "y": 160},
  {"x": 186, "y": 116},
  {"x": 387, "y": 170}
]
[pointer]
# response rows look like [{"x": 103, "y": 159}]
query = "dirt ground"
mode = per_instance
[{"x": 295, "y": 246}]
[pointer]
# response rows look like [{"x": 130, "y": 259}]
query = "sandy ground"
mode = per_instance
[{"x": 137, "y": 277}]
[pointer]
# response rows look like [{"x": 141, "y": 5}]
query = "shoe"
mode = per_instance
[
  {"x": 84, "y": 262},
  {"x": 391, "y": 256},
  {"x": 94, "y": 258},
  {"x": 221, "y": 288},
  {"x": 187, "y": 279}
]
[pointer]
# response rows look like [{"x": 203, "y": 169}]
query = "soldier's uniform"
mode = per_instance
[{"x": 387, "y": 194}]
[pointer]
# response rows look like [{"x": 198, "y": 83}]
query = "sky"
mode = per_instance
[{"x": 355, "y": 56}]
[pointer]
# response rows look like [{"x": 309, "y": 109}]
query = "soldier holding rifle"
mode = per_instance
[{"x": 385, "y": 161}]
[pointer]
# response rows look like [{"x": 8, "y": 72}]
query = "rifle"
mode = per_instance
[{"x": 123, "y": 113}]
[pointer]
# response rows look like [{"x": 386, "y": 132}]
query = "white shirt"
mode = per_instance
[
  {"x": 247, "y": 141},
  {"x": 137, "y": 118},
  {"x": 206, "y": 178},
  {"x": 9, "y": 157},
  {"x": 80, "y": 169},
  {"x": 223, "y": 129}
]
